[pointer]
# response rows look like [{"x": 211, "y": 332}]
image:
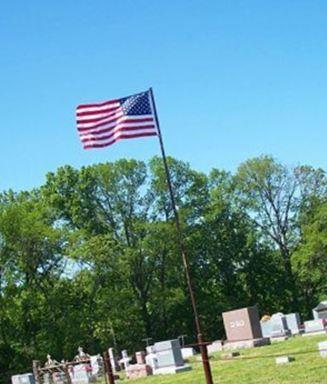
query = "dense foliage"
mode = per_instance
[{"x": 90, "y": 258}]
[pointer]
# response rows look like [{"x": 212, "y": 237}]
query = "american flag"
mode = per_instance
[{"x": 102, "y": 124}]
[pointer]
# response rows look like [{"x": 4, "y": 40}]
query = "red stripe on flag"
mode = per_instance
[
  {"x": 119, "y": 121},
  {"x": 122, "y": 129},
  {"x": 120, "y": 137},
  {"x": 102, "y": 111},
  {"x": 97, "y": 104},
  {"x": 100, "y": 119}
]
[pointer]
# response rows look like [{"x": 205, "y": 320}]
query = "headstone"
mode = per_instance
[
  {"x": 125, "y": 360},
  {"x": 169, "y": 357},
  {"x": 113, "y": 360},
  {"x": 266, "y": 327},
  {"x": 314, "y": 326},
  {"x": 320, "y": 312},
  {"x": 242, "y": 324},
  {"x": 187, "y": 353},
  {"x": 81, "y": 373},
  {"x": 136, "y": 371},
  {"x": 169, "y": 353},
  {"x": 140, "y": 357},
  {"x": 151, "y": 360},
  {"x": 279, "y": 325},
  {"x": 293, "y": 322},
  {"x": 322, "y": 346},
  {"x": 25, "y": 378},
  {"x": 96, "y": 365}
]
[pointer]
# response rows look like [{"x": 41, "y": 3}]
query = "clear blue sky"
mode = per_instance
[{"x": 233, "y": 79}]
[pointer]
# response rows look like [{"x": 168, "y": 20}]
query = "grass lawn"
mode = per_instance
[{"x": 257, "y": 365}]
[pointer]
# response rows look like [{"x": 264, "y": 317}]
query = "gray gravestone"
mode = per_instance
[
  {"x": 320, "y": 312},
  {"x": 26, "y": 378},
  {"x": 279, "y": 325},
  {"x": 169, "y": 358},
  {"x": 266, "y": 328},
  {"x": 314, "y": 326},
  {"x": 293, "y": 322},
  {"x": 169, "y": 353}
]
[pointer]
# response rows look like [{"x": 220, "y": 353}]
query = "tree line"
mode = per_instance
[{"x": 91, "y": 258}]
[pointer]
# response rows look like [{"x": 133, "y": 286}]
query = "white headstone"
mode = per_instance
[
  {"x": 125, "y": 359},
  {"x": 97, "y": 365},
  {"x": 187, "y": 352},
  {"x": 152, "y": 361},
  {"x": 112, "y": 359}
]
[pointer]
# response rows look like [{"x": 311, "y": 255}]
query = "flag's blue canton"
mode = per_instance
[{"x": 137, "y": 104}]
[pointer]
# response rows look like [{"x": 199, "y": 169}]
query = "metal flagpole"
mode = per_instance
[{"x": 203, "y": 347}]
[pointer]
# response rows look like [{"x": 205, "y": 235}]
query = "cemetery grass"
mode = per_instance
[{"x": 257, "y": 365}]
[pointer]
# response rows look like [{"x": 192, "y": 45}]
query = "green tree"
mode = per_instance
[
  {"x": 274, "y": 195},
  {"x": 310, "y": 258},
  {"x": 31, "y": 261}
]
